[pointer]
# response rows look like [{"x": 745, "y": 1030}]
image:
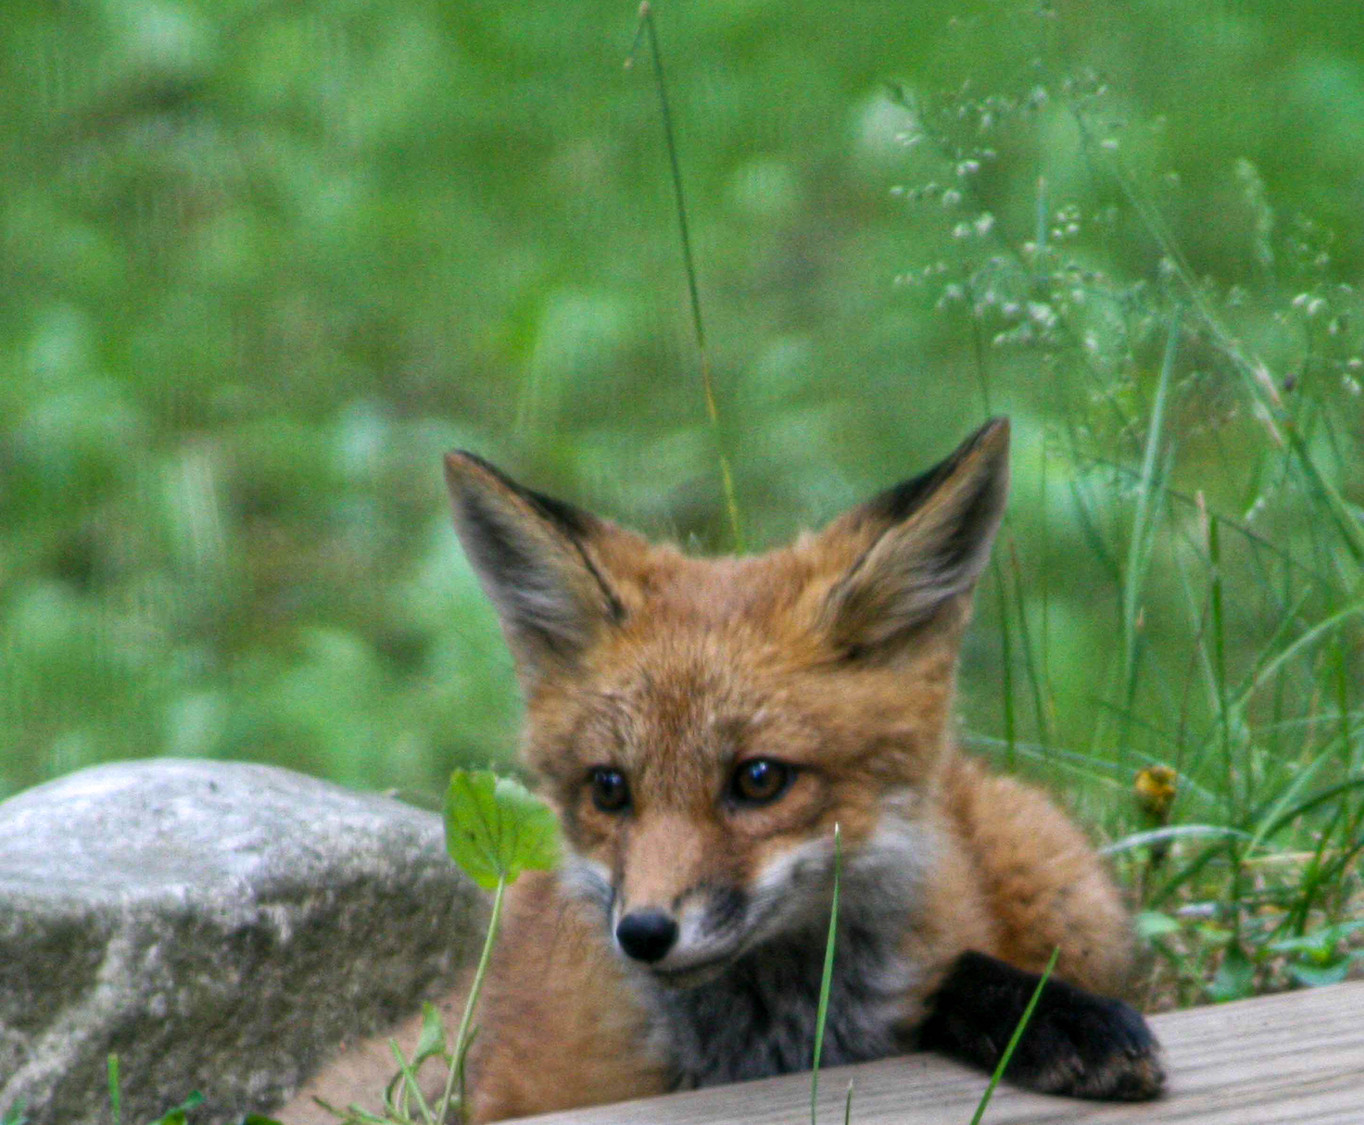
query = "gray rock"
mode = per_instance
[{"x": 222, "y": 927}]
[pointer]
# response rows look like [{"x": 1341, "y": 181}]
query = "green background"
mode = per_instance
[{"x": 264, "y": 262}]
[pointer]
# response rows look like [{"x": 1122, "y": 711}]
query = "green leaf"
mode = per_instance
[
  {"x": 1311, "y": 944},
  {"x": 1215, "y": 934},
  {"x": 1235, "y": 977},
  {"x": 15, "y": 1115},
  {"x": 1315, "y": 976},
  {"x": 177, "y": 1116},
  {"x": 1153, "y": 924},
  {"x": 1319, "y": 945},
  {"x": 431, "y": 1042},
  {"x": 495, "y": 828},
  {"x": 354, "y": 1113}
]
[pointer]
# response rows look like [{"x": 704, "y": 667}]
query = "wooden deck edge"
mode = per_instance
[{"x": 1296, "y": 1058}]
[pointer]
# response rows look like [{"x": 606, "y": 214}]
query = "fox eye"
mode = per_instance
[
  {"x": 610, "y": 790},
  {"x": 760, "y": 781}
]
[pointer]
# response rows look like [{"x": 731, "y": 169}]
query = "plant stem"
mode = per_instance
[{"x": 462, "y": 1038}]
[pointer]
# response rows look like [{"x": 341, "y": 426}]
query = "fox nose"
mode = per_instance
[{"x": 646, "y": 935}]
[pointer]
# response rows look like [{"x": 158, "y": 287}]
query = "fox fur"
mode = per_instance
[{"x": 831, "y": 662}]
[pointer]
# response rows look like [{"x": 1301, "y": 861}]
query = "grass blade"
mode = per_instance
[
  {"x": 827, "y": 979},
  {"x": 409, "y": 1084},
  {"x": 1259, "y": 383},
  {"x": 115, "y": 1098},
  {"x": 647, "y": 29},
  {"x": 1142, "y": 543},
  {"x": 1014, "y": 1038}
]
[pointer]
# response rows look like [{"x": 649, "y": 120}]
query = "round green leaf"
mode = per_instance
[{"x": 495, "y": 828}]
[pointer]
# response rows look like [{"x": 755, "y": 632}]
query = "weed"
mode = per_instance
[
  {"x": 177, "y": 1116},
  {"x": 1232, "y": 693},
  {"x": 494, "y": 830}
]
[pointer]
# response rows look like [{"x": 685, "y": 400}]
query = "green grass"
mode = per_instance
[
  {"x": 268, "y": 262},
  {"x": 1234, "y": 598},
  {"x": 1012, "y": 1044},
  {"x": 826, "y": 980},
  {"x": 179, "y": 1115}
]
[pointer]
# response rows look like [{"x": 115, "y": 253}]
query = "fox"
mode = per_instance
[{"x": 700, "y": 727}]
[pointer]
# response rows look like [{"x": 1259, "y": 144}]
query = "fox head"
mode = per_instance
[{"x": 700, "y": 725}]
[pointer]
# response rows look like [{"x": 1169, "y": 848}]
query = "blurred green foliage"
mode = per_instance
[{"x": 264, "y": 262}]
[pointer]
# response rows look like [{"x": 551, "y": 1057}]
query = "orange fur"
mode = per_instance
[{"x": 835, "y": 656}]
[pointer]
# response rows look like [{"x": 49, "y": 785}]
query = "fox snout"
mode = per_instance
[
  {"x": 646, "y": 935},
  {"x": 674, "y": 905},
  {"x": 688, "y": 941}
]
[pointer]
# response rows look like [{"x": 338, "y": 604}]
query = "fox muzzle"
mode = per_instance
[{"x": 646, "y": 935}]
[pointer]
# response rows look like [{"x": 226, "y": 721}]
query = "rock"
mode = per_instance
[{"x": 222, "y": 927}]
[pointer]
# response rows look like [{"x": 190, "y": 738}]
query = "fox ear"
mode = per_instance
[
  {"x": 532, "y": 555},
  {"x": 922, "y": 544}
]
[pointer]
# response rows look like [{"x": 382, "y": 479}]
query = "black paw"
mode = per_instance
[
  {"x": 1087, "y": 1046},
  {"x": 1076, "y": 1043}
]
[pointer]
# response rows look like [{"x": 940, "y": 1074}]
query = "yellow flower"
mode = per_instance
[{"x": 1155, "y": 789}]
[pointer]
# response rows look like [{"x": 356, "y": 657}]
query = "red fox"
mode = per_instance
[{"x": 700, "y": 726}]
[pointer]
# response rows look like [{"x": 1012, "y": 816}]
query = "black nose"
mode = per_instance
[{"x": 646, "y": 935}]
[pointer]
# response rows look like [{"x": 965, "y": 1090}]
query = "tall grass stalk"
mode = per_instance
[
  {"x": 1006, "y": 665},
  {"x": 646, "y": 29},
  {"x": 1144, "y": 526},
  {"x": 1033, "y": 666},
  {"x": 1259, "y": 384}
]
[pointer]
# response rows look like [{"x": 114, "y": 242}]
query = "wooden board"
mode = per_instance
[{"x": 1292, "y": 1059}]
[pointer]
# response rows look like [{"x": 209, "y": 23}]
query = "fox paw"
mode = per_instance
[
  {"x": 1076, "y": 1043},
  {"x": 1087, "y": 1046}
]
